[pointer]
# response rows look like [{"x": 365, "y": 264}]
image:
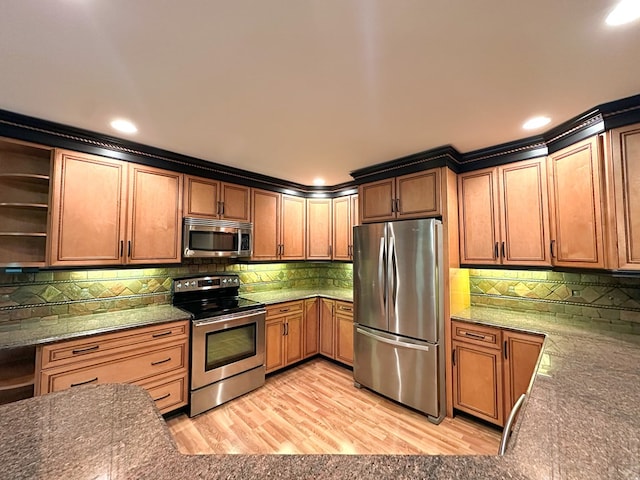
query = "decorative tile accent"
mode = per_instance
[{"x": 575, "y": 296}]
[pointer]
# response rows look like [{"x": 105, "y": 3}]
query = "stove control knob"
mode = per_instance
[
  {"x": 193, "y": 284},
  {"x": 178, "y": 285},
  {"x": 236, "y": 281},
  {"x": 224, "y": 280}
]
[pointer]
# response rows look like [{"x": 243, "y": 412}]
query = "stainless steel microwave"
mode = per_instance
[{"x": 216, "y": 238}]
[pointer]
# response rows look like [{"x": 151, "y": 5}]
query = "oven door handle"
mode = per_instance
[{"x": 220, "y": 318}]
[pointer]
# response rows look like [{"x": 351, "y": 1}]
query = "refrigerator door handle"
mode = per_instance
[
  {"x": 381, "y": 280},
  {"x": 384, "y": 339},
  {"x": 393, "y": 272}
]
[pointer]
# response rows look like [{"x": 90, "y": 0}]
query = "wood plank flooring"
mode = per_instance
[{"x": 314, "y": 408}]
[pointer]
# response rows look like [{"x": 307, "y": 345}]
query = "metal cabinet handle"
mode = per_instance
[
  {"x": 346, "y": 309},
  {"x": 495, "y": 251},
  {"x": 503, "y": 251},
  {"x": 121, "y": 247},
  {"x": 161, "y": 361},
  {"x": 506, "y": 345},
  {"x": 551, "y": 245},
  {"x": 84, "y": 383},
  {"x": 393, "y": 205},
  {"x": 84, "y": 350},
  {"x": 507, "y": 428},
  {"x": 284, "y": 310},
  {"x": 129, "y": 249},
  {"x": 453, "y": 357},
  {"x": 474, "y": 335},
  {"x": 166, "y": 395},
  {"x": 397, "y": 205},
  {"x": 221, "y": 208},
  {"x": 330, "y": 250},
  {"x": 163, "y": 334}
]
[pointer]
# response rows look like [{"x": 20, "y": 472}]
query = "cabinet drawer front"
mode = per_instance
[
  {"x": 169, "y": 393},
  {"x": 344, "y": 308},
  {"x": 477, "y": 334},
  {"x": 95, "y": 347},
  {"x": 131, "y": 369},
  {"x": 285, "y": 308}
]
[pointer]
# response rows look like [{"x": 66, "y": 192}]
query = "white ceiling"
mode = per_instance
[{"x": 302, "y": 88}]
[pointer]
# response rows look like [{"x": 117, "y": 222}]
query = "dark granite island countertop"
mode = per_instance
[{"x": 581, "y": 421}]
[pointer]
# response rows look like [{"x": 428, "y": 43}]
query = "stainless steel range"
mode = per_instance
[{"x": 227, "y": 339}]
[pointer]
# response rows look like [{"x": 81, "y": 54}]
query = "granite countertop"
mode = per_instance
[
  {"x": 38, "y": 331},
  {"x": 581, "y": 420},
  {"x": 278, "y": 296}
]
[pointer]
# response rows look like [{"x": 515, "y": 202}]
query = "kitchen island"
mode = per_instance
[{"x": 581, "y": 420}]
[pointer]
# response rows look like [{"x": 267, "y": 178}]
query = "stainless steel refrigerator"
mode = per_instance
[{"x": 398, "y": 282}]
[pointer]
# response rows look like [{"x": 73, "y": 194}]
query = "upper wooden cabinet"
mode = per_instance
[
  {"x": 345, "y": 217},
  {"x": 279, "y": 226},
  {"x": 504, "y": 215},
  {"x": 414, "y": 195},
  {"x": 24, "y": 203},
  {"x": 209, "y": 198},
  {"x": 319, "y": 229},
  {"x": 575, "y": 204},
  {"x": 624, "y": 161},
  {"x": 108, "y": 212}
]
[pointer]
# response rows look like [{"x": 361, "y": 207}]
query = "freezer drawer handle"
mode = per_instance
[{"x": 394, "y": 342}]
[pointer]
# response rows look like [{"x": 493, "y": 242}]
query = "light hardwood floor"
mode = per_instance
[{"x": 314, "y": 408}]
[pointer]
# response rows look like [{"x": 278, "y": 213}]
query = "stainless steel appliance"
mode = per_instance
[
  {"x": 216, "y": 238},
  {"x": 227, "y": 339},
  {"x": 398, "y": 279}
]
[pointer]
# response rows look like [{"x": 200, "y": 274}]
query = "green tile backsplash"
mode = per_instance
[
  {"x": 581, "y": 297},
  {"x": 61, "y": 293}
]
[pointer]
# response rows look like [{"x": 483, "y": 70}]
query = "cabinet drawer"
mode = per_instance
[
  {"x": 134, "y": 368},
  {"x": 344, "y": 308},
  {"x": 95, "y": 347},
  {"x": 284, "y": 308},
  {"x": 489, "y": 337},
  {"x": 168, "y": 393}
]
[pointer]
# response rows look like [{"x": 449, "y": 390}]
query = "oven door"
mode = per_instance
[{"x": 226, "y": 345}]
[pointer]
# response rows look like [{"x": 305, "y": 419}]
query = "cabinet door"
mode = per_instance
[
  {"x": 311, "y": 327},
  {"x": 575, "y": 205},
  {"x": 377, "y": 201},
  {"x": 344, "y": 332},
  {"x": 155, "y": 215},
  {"x": 479, "y": 227},
  {"x": 477, "y": 381},
  {"x": 274, "y": 348},
  {"x": 235, "y": 202},
  {"x": 294, "y": 339},
  {"x": 265, "y": 215},
  {"x": 319, "y": 229},
  {"x": 524, "y": 213},
  {"x": 88, "y": 210},
  {"x": 293, "y": 238},
  {"x": 625, "y": 153},
  {"x": 342, "y": 228},
  {"x": 521, "y": 353},
  {"x": 326, "y": 327},
  {"x": 201, "y": 197},
  {"x": 418, "y": 194}
]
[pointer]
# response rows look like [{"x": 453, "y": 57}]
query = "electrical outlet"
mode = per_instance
[
  {"x": 575, "y": 293},
  {"x": 511, "y": 289}
]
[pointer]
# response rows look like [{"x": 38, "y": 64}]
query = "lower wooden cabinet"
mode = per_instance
[
  {"x": 336, "y": 330},
  {"x": 311, "y": 327},
  {"x": 492, "y": 367},
  {"x": 284, "y": 335},
  {"x": 155, "y": 357}
]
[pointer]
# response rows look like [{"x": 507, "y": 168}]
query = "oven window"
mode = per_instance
[
  {"x": 213, "y": 241},
  {"x": 230, "y": 345}
]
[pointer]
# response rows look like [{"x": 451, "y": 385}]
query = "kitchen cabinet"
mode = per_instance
[
  {"x": 520, "y": 352},
  {"x": 504, "y": 216},
  {"x": 336, "y": 330},
  {"x": 319, "y": 229},
  {"x": 624, "y": 156},
  {"x": 575, "y": 205},
  {"x": 345, "y": 217},
  {"x": 207, "y": 198},
  {"x": 279, "y": 226},
  {"x": 108, "y": 212},
  {"x": 492, "y": 367},
  {"x": 154, "y": 357},
  {"x": 17, "y": 374},
  {"x": 24, "y": 203},
  {"x": 284, "y": 335},
  {"x": 311, "y": 327},
  {"x": 416, "y": 195}
]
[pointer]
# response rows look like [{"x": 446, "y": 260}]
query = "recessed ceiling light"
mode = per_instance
[
  {"x": 318, "y": 182},
  {"x": 124, "y": 126},
  {"x": 536, "y": 122},
  {"x": 624, "y": 12}
]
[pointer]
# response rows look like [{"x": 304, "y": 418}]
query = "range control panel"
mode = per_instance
[{"x": 191, "y": 284}]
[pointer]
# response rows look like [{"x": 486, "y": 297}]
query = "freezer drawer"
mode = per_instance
[{"x": 403, "y": 369}]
